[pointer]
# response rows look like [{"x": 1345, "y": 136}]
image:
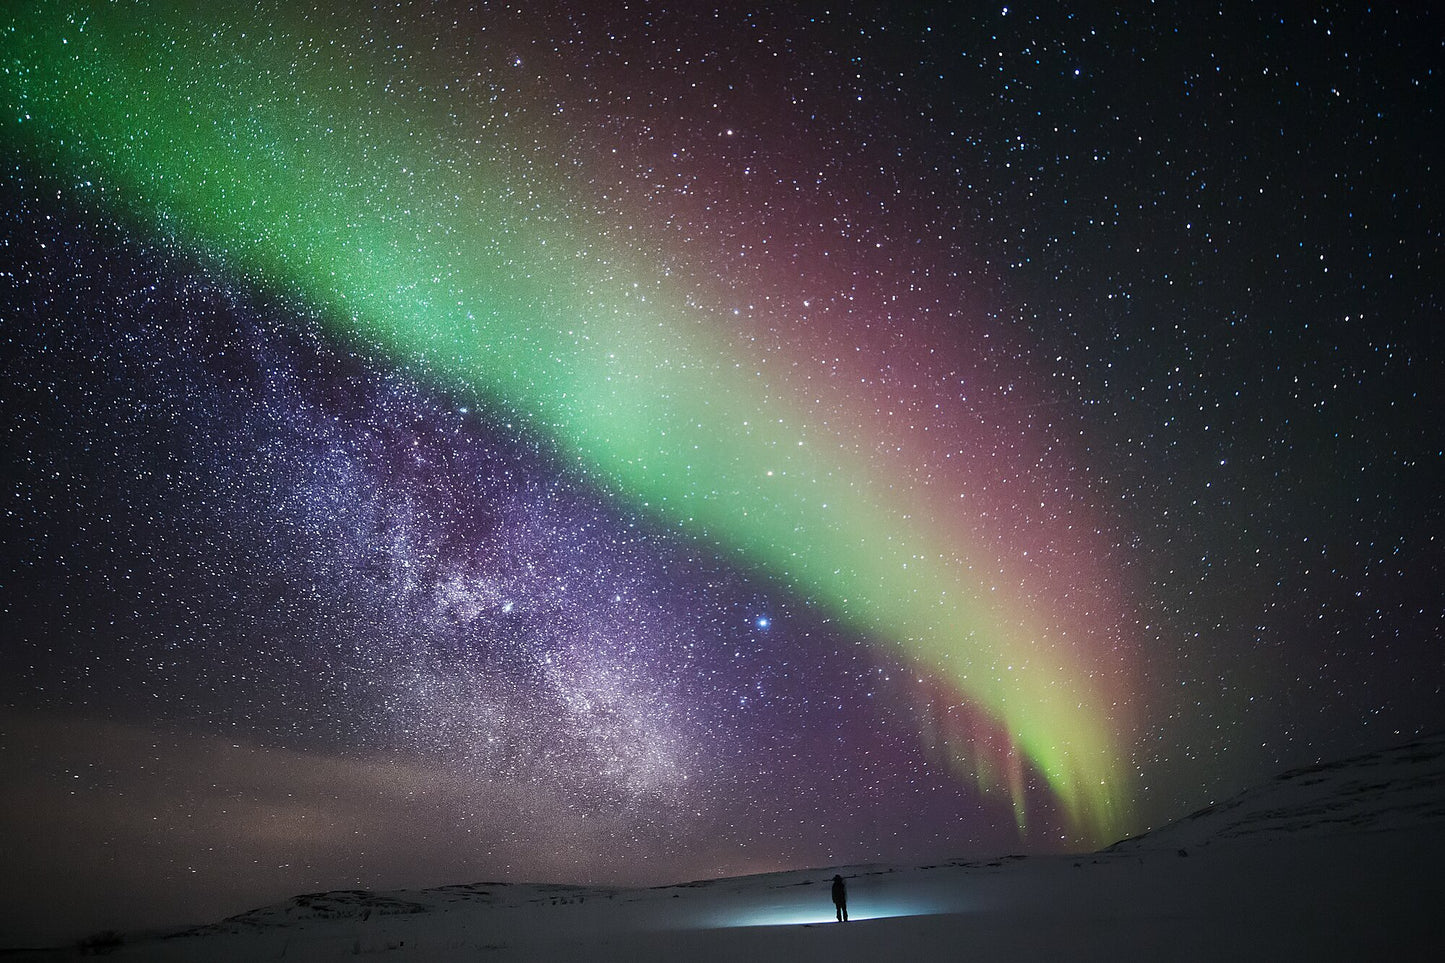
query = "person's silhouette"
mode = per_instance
[{"x": 840, "y": 898}]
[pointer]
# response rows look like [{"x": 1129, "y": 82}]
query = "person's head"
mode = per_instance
[{"x": 837, "y": 879}]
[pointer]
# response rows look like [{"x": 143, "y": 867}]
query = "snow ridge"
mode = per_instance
[{"x": 1394, "y": 789}]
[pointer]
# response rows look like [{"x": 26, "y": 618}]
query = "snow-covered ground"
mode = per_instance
[{"x": 1332, "y": 862}]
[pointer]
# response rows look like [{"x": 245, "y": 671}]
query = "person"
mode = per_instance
[{"x": 840, "y": 898}]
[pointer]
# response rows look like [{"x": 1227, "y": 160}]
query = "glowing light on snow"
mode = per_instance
[{"x": 802, "y": 912}]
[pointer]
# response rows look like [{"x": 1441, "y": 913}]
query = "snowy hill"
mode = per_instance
[
  {"x": 1399, "y": 789},
  {"x": 1338, "y": 861}
]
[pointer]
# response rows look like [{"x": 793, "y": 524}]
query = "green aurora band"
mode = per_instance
[{"x": 282, "y": 156}]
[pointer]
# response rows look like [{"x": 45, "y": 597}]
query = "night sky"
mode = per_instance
[{"x": 630, "y": 442}]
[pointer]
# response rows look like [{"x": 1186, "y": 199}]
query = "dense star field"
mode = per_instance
[{"x": 631, "y": 443}]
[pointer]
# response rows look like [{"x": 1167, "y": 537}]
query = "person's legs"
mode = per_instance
[{"x": 839, "y": 908}]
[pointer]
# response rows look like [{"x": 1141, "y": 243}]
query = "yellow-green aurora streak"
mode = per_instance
[{"x": 440, "y": 240}]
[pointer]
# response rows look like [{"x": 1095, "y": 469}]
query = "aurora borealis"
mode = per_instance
[{"x": 638, "y": 443}]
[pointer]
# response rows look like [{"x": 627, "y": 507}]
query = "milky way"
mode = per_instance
[{"x": 642, "y": 443}]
